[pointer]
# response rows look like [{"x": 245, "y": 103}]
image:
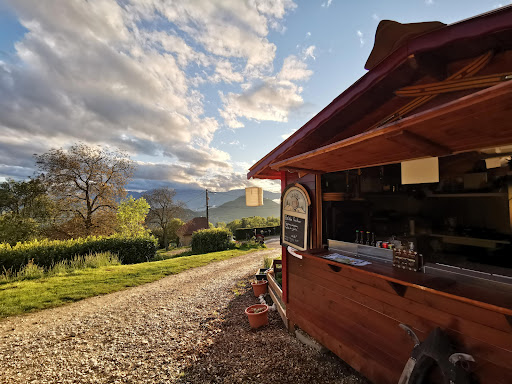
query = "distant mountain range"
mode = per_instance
[
  {"x": 236, "y": 209},
  {"x": 223, "y": 206}
]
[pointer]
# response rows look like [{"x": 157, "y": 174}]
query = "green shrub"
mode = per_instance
[
  {"x": 46, "y": 253},
  {"x": 247, "y": 233},
  {"x": 211, "y": 240}
]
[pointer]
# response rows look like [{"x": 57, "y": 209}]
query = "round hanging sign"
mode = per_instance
[{"x": 295, "y": 204}]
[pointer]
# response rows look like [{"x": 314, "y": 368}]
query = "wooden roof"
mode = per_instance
[
  {"x": 480, "y": 120},
  {"x": 426, "y": 58},
  {"x": 193, "y": 225}
]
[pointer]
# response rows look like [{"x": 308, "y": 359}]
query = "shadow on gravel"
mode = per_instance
[{"x": 238, "y": 354}]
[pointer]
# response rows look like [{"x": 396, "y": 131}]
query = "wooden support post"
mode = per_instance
[{"x": 318, "y": 210}]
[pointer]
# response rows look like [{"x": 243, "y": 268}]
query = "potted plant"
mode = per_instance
[
  {"x": 259, "y": 287},
  {"x": 258, "y": 315}
]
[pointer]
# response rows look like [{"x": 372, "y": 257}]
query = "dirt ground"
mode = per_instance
[
  {"x": 185, "y": 328},
  {"x": 240, "y": 354}
]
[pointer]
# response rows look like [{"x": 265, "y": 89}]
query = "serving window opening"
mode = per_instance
[{"x": 463, "y": 220}]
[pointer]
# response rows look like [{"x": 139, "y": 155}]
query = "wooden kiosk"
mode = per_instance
[{"x": 440, "y": 93}]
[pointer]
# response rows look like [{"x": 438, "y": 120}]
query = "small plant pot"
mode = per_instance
[
  {"x": 259, "y": 288},
  {"x": 258, "y": 319},
  {"x": 261, "y": 274}
]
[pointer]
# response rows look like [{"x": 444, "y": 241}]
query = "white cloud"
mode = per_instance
[
  {"x": 127, "y": 75},
  {"x": 269, "y": 100},
  {"x": 309, "y": 52},
  {"x": 327, "y": 4},
  {"x": 294, "y": 69},
  {"x": 308, "y": 35},
  {"x": 375, "y": 17},
  {"x": 361, "y": 37},
  {"x": 429, "y": 2},
  {"x": 224, "y": 72}
]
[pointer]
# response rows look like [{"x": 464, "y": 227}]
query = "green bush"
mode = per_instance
[
  {"x": 211, "y": 240},
  {"x": 246, "y": 233},
  {"x": 46, "y": 253}
]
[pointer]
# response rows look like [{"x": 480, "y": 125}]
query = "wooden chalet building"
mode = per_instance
[
  {"x": 436, "y": 232},
  {"x": 186, "y": 231}
]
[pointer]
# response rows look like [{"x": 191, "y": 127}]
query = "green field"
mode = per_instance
[{"x": 32, "y": 295}]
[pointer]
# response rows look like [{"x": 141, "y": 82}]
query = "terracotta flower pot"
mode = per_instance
[
  {"x": 259, "y": 288},
  {"x": 258, "y": 319}
]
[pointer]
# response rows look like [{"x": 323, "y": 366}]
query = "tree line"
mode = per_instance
[{"x": 81, "y": 192}]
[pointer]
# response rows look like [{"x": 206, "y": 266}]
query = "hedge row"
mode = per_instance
[
  {"x": 48, "y": 252},
  {"x": 211, "y": 240},
  {"x": 247, "y": 233}
]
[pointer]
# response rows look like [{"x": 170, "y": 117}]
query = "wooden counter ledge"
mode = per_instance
[{"x": 479, "y": 294}]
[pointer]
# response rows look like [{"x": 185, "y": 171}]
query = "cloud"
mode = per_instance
[
  {"x": 361, "y": 37},
  {"x": 375, "y": 17},
  {"x": 309, "y": 52},
  {"x": 429, "y": 2},
  {"x": 128, "y": 74},
  {"x": 294, "y": 69},
  {"x": 224, "y": 72},
  {"x": 327, "y": 4},
  {"x": 269, "y": 100}
]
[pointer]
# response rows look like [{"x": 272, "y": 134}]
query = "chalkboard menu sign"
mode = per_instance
[
  {"x": 294, "y": 231},
  {"x": 295, "y": 217}
]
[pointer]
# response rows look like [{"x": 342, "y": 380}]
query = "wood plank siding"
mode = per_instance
[{"x": 357, "y": 316}]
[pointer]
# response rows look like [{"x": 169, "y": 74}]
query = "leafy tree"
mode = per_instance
[
  {"x": 25, "y": 210},
  {"x": 234, "y": 225},
  {"x": 26, "y": 199},
  {"x": 131, "y": 217},
  {"x": 172, "y": 232},
  {"x": 163, "y": 210},
  {"x": 15, "y": 228},
  {"x": 221, "y": 224},
  {"x": 252, "y": 222},
  {"x": 87, "y": 181}
]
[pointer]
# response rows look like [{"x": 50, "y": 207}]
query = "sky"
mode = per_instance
[{"x": 195, "y": 91}]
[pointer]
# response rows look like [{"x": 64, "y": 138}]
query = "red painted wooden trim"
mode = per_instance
[
  {"x": 284, "y": 252},
  {"x": 464, "y": 30}
]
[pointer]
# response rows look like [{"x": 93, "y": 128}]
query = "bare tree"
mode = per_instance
[
  {"x": 163, "y": 210},
  {"x": 87, "y": 181}
]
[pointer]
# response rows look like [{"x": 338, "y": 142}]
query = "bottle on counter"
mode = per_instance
[
  {"x": 357, "y": 236},
  {"x": 367, "y": 238}
]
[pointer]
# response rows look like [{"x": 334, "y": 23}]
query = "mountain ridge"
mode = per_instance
[{"x": 223, "y": 206}]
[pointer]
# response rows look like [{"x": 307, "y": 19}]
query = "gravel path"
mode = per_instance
[{"x": 160, "y": 332}]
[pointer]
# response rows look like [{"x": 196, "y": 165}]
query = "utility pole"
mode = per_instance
[{"x": 207, "y": 219}]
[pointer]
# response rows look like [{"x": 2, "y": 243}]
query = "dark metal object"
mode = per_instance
[
  {"x": 435, "y": 350},
  {"x": 405, "y": 259}
]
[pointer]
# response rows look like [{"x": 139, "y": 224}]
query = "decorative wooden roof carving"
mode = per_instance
[{"x": 390, "y": 35}]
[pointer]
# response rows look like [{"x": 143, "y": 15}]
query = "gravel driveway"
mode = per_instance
[{"x": 160, "y": 332}]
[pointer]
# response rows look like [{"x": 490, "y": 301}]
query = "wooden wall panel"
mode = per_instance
[{"x": 358, "y": 316}]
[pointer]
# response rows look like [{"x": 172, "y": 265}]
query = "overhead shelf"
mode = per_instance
[{"x": 493, "y": 194}]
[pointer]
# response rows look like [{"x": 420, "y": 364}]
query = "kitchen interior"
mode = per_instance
[{"x": 450, "y": 211}]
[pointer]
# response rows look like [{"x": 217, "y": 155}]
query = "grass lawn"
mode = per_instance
[{"x": 32, "y": 295}]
